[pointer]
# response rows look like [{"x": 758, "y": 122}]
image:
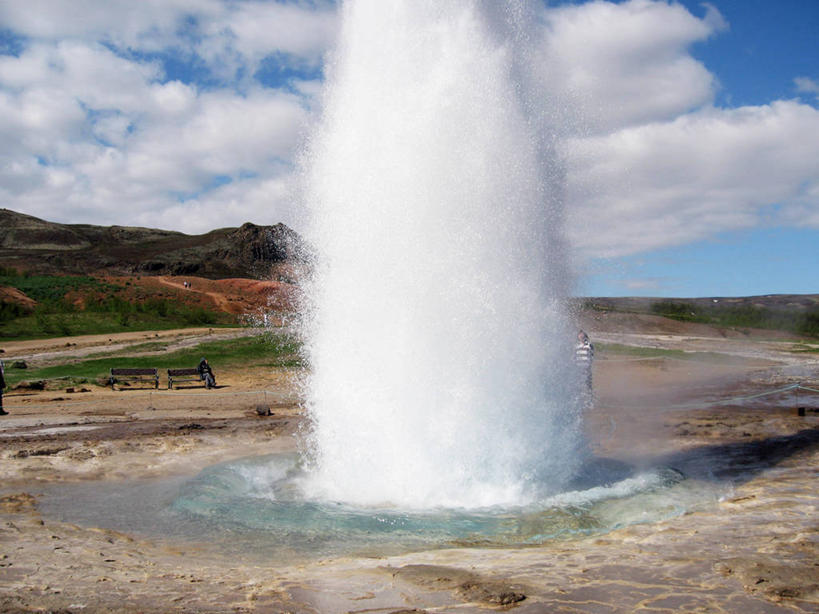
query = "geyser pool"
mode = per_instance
[
  {"x": 255, "y": 508},
  {"x": 436, "y": 330}
]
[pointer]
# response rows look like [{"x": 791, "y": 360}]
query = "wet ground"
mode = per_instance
[{"x": 752, "y": 548}]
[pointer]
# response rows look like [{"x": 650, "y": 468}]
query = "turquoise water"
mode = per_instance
[{"x": 254, "y": 507}]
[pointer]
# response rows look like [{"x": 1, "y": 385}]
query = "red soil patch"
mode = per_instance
[
  {"x": 13, "y": 295},
  {"x": 234, "y": 296}
]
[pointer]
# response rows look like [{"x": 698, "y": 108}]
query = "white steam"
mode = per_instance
[{"x": 438, "y": 338}]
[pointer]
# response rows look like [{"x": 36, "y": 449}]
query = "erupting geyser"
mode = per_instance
[{"x": 437, "y": 332}]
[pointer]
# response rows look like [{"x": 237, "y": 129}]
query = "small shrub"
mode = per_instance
[
  {"x": 61, "y": 325},
  {"x": 10, "y": 311},
  {"x": 198, "y": 315},
  {"x": 809, "y": 324},
  {"x": 674, "y": 310},
  {"x": 42, "y": 320}
]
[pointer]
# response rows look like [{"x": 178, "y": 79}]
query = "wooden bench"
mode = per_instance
[
  {"x": 184, "y": 375},
  {"x": 135, "y": 375}
]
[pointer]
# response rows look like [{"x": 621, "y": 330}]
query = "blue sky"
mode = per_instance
[
  {"x": 691, "y": 147},
  {"x": 765, "y": 51},
  {"x": 767, "y": 260},
  {"x": 757, "y": 58},
  {"x": 766, "y": 44}
]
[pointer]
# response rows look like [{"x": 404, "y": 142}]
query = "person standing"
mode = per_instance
[
  {"x": 3, "y": 412},
  {"x": 583, "y": 358}
]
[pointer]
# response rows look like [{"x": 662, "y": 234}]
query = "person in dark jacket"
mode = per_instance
[
  {"x": 3, "y": 412},
  {"x": 206, "y": 373}
]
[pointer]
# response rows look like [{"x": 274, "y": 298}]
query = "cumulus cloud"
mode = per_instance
[
  {"x": 263, "y": 200},
  {"x": 153, "y": 160},
  {"x": 145, "y": 24},
  {"x": 253, "y": 28},
  {"x": 94, "y": 131},
  {"x": 615, "y": 65},
  {"x": 296, "y": 31},
  {"x": 663, "y": 184},
  {"x": 651, "y": 162},
  {"x": 808, "y": 85}
]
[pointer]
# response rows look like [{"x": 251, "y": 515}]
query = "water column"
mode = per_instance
[{"x": 437, "y": 334}]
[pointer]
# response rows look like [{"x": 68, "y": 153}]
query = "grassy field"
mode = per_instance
[
  {"x": 41, "y": 325},
  {"x": 270, "y": 350},
  {"x": 82, "y": 305},
  {"x": 797, "y": 314},
  {"x": 806, "y": 323}
]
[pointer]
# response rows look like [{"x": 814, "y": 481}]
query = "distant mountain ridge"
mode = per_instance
[{"x": 37, "y": 246}]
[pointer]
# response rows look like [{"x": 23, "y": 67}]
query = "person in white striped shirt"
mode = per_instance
[{"x": 583, "y": 358}]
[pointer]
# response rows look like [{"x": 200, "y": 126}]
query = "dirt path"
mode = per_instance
[
  {"x": 16, "y": 348},
  {"x": 42, "y": 352},
  {"x": 222, "y": 303}
]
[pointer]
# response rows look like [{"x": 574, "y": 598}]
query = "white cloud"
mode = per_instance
[
  {"x": 91, "y": 133},
  {"x": 310, "y": 89},
  {"x": 227, "y": 36},
  {"x": 147, "y": 25},
  {"x": 53, "y": 92},
  {"x": 651, "y": 162},
  {"x": 223, "y": 134},
  {"x": 171, "y": 99},
  {"x": 145, "y": 172},
  {"x": 806, "y": 84},
  {"x": 292, "y": 29},
  {"x": 671, "y": 183},
  {"x": 259, "y": 200},
  {"x": 613, "y": 65}
]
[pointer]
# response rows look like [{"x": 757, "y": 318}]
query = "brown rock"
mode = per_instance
[{"x": 17, "y": 503}]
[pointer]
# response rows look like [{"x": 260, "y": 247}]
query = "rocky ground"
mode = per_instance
[{"x": 754, "y": 550}]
